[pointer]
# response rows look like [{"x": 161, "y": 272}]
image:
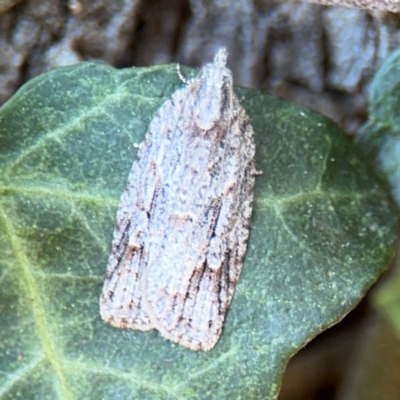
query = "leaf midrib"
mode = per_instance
[{"x": 33, "y": 295}]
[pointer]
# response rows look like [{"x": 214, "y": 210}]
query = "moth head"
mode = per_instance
[{"x": 213, "y": 87}]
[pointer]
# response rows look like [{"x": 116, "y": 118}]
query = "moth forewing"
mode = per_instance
[{"x": 183, "y": 222}]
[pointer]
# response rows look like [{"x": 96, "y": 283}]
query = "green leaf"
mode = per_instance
[
  {"x": 322, "y": 231},
  {"x": 378, "y": 369},
  {"x": 380, "y": 137}
]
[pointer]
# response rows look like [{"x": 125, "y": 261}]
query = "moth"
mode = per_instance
[{"x": 183, "y": 222}]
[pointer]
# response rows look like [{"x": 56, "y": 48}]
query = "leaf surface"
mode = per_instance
[{"x": 322, "y": 231}]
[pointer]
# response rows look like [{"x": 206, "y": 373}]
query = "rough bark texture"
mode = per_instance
[
  {"x": 384, "y": 5},
  {"x": 323, "y": 57}
]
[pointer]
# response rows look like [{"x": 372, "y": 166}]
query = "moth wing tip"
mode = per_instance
[{"x": 189, "y": 341}]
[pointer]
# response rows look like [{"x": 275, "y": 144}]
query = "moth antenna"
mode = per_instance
[{"x": 179, "y": 72}]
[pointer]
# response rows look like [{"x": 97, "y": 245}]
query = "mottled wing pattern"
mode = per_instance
[
  {"x": 200, "y": 225},
  {"x": 121, "y": 300},
  {"x": 183, "y": 221}
]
